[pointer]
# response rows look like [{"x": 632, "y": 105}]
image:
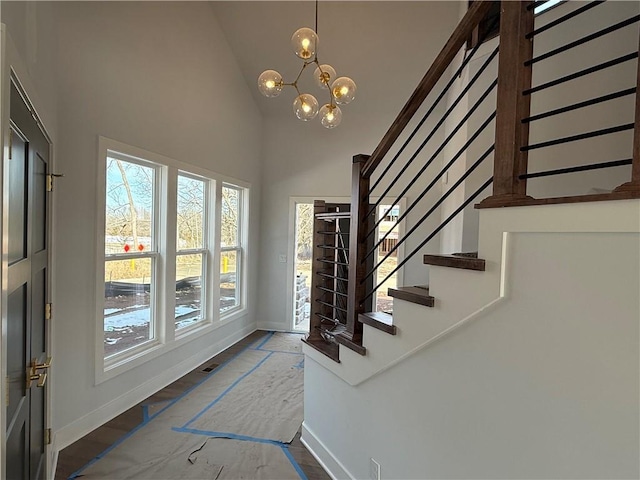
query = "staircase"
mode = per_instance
[
  {"x": 518, "y": 359},
  {"x": 486, "y": 116}
]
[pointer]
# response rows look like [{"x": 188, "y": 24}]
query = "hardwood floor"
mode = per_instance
[{"x": 84, "y": 450}]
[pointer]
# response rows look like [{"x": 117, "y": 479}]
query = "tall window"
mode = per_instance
[
  {"x": 230, "y": 248},
  {"x": 130, "y": 254},
  {"x": 166, "y": 224},
  {"x": 191, "y": 250}
]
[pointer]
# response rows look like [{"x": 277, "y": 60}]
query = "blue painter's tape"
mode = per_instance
[
  {"x": 229, "y": 388},
  {"x": 232, "y": 436},
  {"x": 244, "y": 438},
  {"x": 295, "y": 464},
  {"x": 271, "y": 334},
  {"x": 107, "y": 450},
  {"x": 278, "y": 351},
  {"x": 170, "y": 404}
]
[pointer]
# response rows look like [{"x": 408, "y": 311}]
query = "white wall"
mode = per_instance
[
  {"x": 544, "y": 385},
  {"x": 159, "y": 76},
  {"x": 306, "y": 160}
]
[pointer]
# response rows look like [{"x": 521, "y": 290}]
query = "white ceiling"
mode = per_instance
[{"x": 384, "y": 46}]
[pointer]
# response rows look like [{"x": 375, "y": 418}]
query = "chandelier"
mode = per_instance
[{"x": 305, "y": 106}]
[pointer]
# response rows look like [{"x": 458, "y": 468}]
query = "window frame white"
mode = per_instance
[
  {"x": 208, "y": 237},
  {"x": 239, "y": 249},
  {"x": 167, "y": 337},
  {"x": 153, "y": 254}
]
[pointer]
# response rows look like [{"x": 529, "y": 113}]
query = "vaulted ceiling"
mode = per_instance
[{"x": 385, "y": 46}]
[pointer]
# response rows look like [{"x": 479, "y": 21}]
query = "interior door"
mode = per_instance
[{"x": 27, "y": 254}]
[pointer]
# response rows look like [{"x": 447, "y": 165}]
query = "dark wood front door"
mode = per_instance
[{"x": 26, "y": 172}]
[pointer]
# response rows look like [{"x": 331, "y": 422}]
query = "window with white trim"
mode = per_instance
[
  {"x": 231, "y": 251},
  {"x": 191, "y": 250},
  {"x": 131, "y": 254},
  {"x": 165, "y": 226}
]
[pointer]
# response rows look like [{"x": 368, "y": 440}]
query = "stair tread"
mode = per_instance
[
  {"x": 456, "y": 260},
  {"x": 380, "y": 320},
  {"x": 331, "y": 350},
  {"x": 466, "y": 254},
  {"x": 416, "y": 294}
]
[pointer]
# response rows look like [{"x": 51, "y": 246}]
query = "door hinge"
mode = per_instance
[
  {"x": 47, "y": 311},
  {"x": 47, "y": 436},
  {"x": 50, "y": 178},
  {"x": 10, "y": 143}
]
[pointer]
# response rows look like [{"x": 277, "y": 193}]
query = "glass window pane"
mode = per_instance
[
  {"x": 230, "y": 217},
  {"x": 189, "y": 276},
  {"x": 129, "y": 207},
  {"x": 229, "y": 291},
  {"x": 127, "y": 304},
  {"x": 387, "y": 232},
  {"x": 191, "y": 201}
]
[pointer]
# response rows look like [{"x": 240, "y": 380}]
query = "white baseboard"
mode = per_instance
[
  {"x": 325, "y": 458},
  {"x": 274, "y": 327},
  {"x": 53, "y": 463},
  {"x": 74, "y": 431}
]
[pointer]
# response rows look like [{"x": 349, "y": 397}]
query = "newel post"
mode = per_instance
[
  {"x": 358, "y": 230},
  {"x": 634, "y": 184},
  {"x": 318, "y": 268},
  {"x": 514, "y": 77}
]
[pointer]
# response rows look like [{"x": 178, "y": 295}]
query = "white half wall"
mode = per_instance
[{"x": 545, "y": 385}]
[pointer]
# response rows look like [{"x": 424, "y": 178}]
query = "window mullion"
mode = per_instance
[
  {"x": 215, "y": 232},
  {"x": 169, "y": 252}
]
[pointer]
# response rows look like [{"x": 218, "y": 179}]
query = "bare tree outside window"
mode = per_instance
[
  {"x": 129, "y": 255},
  {"x": 190, "y": 250},
  {"x": 231, "y": 248}
]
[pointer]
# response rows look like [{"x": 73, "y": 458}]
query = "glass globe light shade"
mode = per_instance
[
  {"x": 330, "y": 116},
  {"x": 343, "y": 90},
  {"x": 270, "y": 83},
  {"x": 305, "y": 107},
  {"x": 324, "y": 75},
  {"x": 304, "y": 42}
]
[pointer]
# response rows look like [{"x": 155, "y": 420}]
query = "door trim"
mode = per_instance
[{"x": 13, "y": 70}]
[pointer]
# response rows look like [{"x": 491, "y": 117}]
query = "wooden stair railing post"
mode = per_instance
[
  {"x": 634, "y": 184},
  {"x": 512, "y": 106},
  {"x": 317, "y": 267},
  {"x": 358, "y": 229}
]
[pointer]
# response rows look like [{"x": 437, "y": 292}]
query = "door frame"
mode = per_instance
[
  {"x": 291, "y": 247},
  {"x": 13, "y": 69}
]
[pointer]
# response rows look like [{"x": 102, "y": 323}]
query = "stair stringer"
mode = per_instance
[{"x": 464, "y": 295}]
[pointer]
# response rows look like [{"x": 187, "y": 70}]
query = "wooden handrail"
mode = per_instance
[{"x": 474, "y": 15}]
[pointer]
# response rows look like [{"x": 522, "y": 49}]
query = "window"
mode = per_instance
[
  {"x": 166, "y": 224},
  {"x": 130, "y": 254},
  {"x": 230, "y": 248},
  {"x": 191, "y": 251}
]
